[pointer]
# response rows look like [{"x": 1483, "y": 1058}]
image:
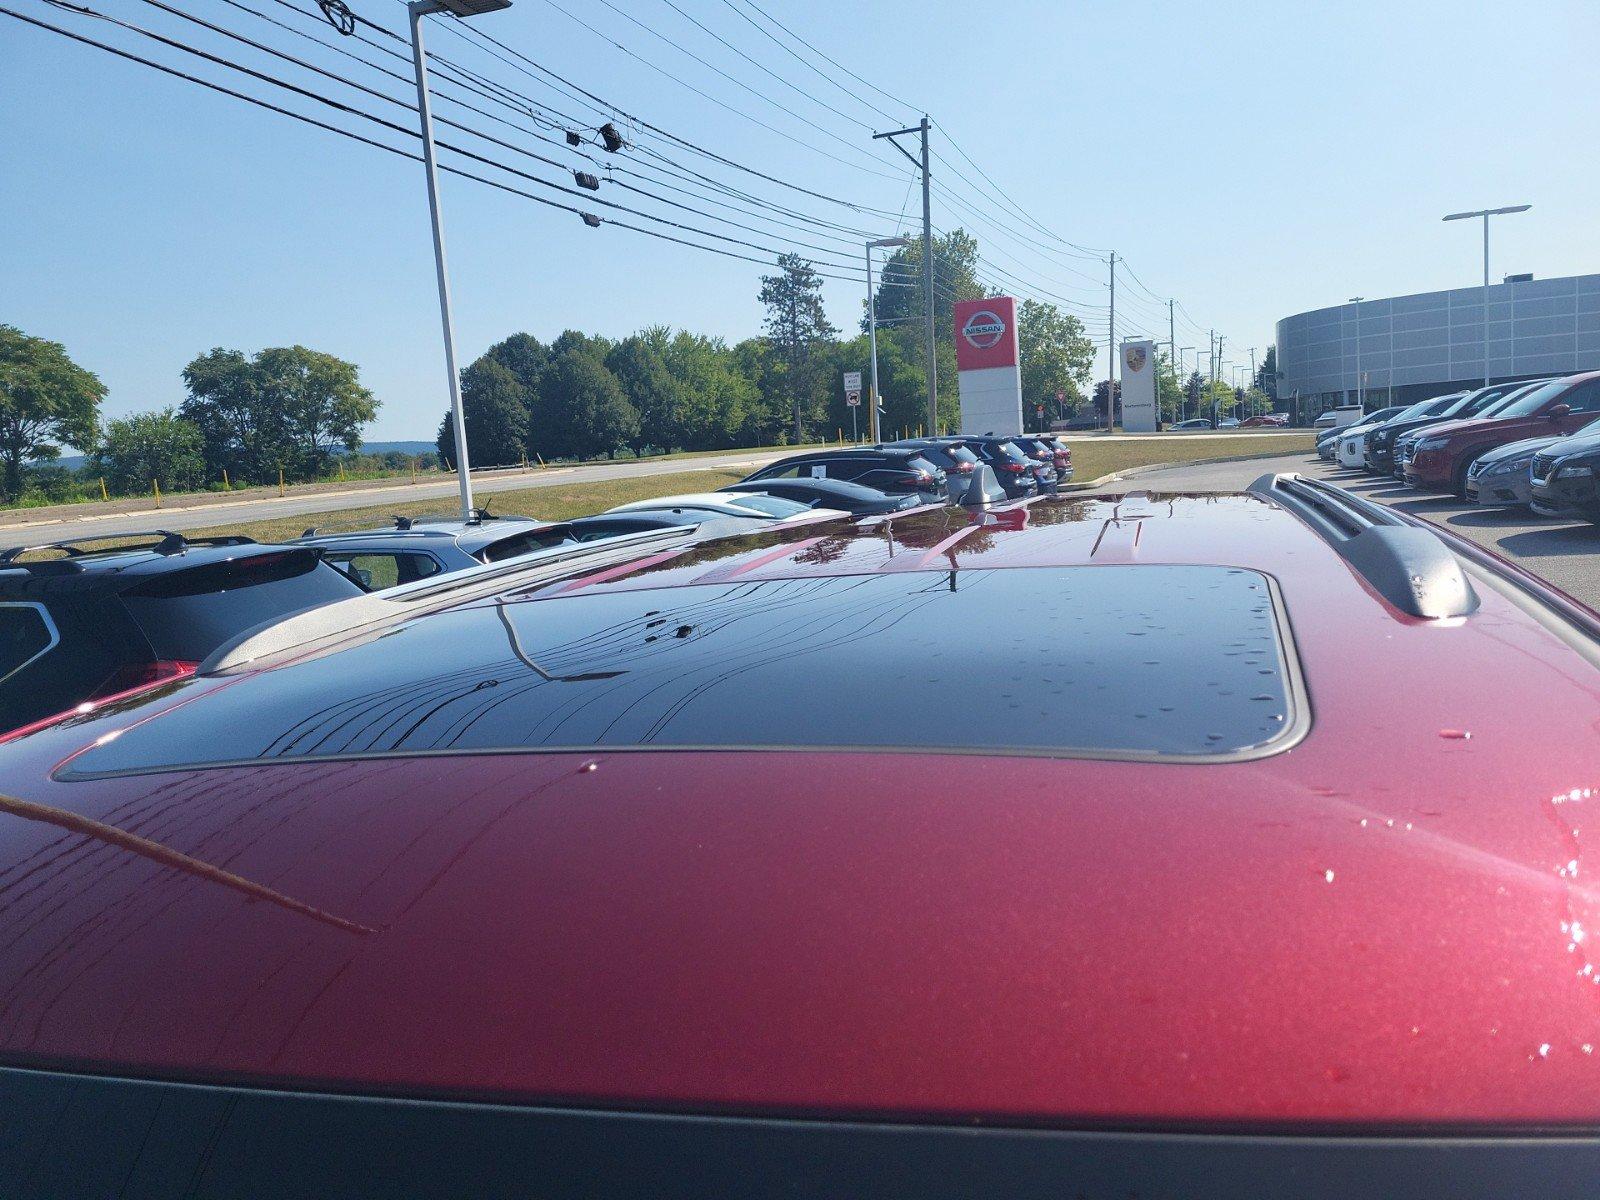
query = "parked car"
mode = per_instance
[
  {"x": 1350, "y": 441},
  {"x": 1020, "y": 471},
  {"x": 1059, "y": 451},
  {"x": 760, "y": 506},
  {"x": 412, "y": 548},
  {"x": 1265, "y": 421},
  {"x": 1228, "y": 423},
  {"x": 81, "y": 621},
  {"x": 949, "y": 454},
  {"x": 1562, "y": 478},
  {"x": 730, "y": 868},
  {"x": 1192, "y": 423},
  {"x": 853, "y": 498},
  {"x": 1380, "y": 458},
  {"x": 1502, "y": 477},
  {"x": 1344, "y": 414},
  {"x": 894, "y": 469},
  {"x": 1482, "y": 405},
  {"x": 1561, "y": 406}
]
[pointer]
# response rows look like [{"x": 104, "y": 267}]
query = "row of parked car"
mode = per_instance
[
  {"x": 83, "y": 620},
  {"x": 1531, "y": 443}
]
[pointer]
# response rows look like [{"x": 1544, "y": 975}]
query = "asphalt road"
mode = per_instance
[
  {"x": 272, "y": 507},
  {"x": 1566, "y": 552}
]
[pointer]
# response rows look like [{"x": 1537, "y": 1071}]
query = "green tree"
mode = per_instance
[
  {"x": 494, "y": 406},
  {"x": 796, "y": 324},
  {"x": 287, "y": 408},
  {"x": 159, "y": 446},
  {"x": 46, "y": 401},
  {"x": 1266, "y": 379},
  {"x": 641, "y": 371},
  {"x": 581, "y": 411},
  {"x": 717, "y": 400},
  {"x": 1169, "y": 392},
  {"x": 322, "y": 403},
  {"x": 900, "y": 291},
  {"x": 1055, "y": 356},
  {"x": 524, "y": 356}
]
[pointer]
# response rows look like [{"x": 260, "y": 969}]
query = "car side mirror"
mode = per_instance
[{"x": 1559, "y": 411}]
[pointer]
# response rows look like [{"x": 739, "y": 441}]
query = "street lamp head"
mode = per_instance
[
  {"x": 472, "y": 8},
  {"x": 1489, "y": 212},
  {"x": 1357, "y": 299},
  {"x": 890, "y": 241}
]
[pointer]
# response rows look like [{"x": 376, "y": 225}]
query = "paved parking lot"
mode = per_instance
[{"x": 1566, "y": 552}]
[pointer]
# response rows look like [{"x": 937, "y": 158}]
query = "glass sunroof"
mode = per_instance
[{"x": 1161, "y": 661}]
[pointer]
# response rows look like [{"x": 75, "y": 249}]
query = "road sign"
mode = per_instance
[
  {"x": 852, "y": 382},
  {"x": 852, "y": 398}
]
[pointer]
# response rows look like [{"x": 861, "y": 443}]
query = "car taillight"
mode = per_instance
[
  {"x": 1063, "y": 458},
  {"x": 1014, "y": 468},
  {"x": 139, "y": 675}
]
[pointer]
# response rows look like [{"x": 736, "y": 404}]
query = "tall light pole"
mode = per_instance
[
  {"x": 1360, "y": 401},
  {"x": 458, "y": 8},
  {"x": 1114, "y": 349},
  {"x": 1486, "y": 213},
  {"x": 872, "y": 327}
]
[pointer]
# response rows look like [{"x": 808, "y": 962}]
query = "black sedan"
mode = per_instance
[{"x": 854, "y": 498}]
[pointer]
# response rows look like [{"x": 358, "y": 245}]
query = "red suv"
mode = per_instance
[
  {"x": 1065, "y": 850},
  {"x": 1561, "y": 406}
]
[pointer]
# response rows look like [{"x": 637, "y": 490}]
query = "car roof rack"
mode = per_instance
[
  {"x": 167, "y": 542},
  {"x": 1409, "y": 566}
]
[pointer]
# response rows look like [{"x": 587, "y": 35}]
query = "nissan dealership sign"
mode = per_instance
[{"x": 986, "y": 355}]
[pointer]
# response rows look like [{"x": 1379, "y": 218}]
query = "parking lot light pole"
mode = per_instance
[
  {"x": 1360, "y": 400},
  {"x": 457, "y": 8},
  {"x": 872, "y": 328},
  {"x": 1486, "y": 213}
]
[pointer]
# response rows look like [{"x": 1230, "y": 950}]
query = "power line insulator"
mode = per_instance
[
  {"x": 574, "y": 138},
  {"x": 589, "y": 219},
  {"x": 612, "y": 139},
  {"x": 586, "y": 180},
  {"x": 339, "y": 15}
]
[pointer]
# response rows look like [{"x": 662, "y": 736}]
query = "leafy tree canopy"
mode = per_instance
[{"x": 46, "y": 400}]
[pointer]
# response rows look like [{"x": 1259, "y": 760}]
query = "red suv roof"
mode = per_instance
[{"x": 1379, "y": 917}]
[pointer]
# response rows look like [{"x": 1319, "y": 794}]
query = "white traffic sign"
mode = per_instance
[
  {"x": 852, "y": 382},
  {"x": 853, "y": 399}
]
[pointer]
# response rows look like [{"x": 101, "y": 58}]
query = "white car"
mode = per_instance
[
  {"x": 1347, "y": 414},
  {"x": 777, "y": 509}
]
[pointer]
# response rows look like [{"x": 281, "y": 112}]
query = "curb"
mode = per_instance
[{"x": 1152, "y": 468}]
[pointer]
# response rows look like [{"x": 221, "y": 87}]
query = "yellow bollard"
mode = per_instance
[
  {"x": 341, "y": 470},
  {"x": 413, "y": 468},
  {"x": 542, "y": 463},
  {"x": 156, "y": 483},
  {"x": 226, "y": 486},
  {"x": 280, "y": 481},
  {"x": 104, "y": 495}
]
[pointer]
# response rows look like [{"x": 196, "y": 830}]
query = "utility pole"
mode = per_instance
[
  {"x": 927, "y": 260},
  {"x": 419, "y": 56},
  {"x": 1172, "y": 357},
  {"x": 1112, "y": 349}
]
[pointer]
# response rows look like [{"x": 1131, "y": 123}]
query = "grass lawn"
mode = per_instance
[
  {"x": 556, "y": 502},
  {"x": 1092, "y": 459},
  {"x": 553, "y": 502}
]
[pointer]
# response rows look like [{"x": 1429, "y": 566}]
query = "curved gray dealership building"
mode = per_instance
[{"x": 1413, "y": 347}]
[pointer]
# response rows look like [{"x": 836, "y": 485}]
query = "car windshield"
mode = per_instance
[
  {"x": 1499, "y": 407},
  {"x": 1531, "y": 402},
  {"x": 772, "y": 506}
]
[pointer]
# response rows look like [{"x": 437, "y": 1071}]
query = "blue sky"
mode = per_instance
[{"x": 1251, "y": 160}]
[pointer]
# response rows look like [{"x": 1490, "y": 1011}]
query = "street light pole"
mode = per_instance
[
  {"x": 458, "y": 424},
  {"x": 1486, "y": 213},
  {"x": 1360, "y": 399},
  {"x": 872, "y": 329},
  {"x": 921, "y": 164}
]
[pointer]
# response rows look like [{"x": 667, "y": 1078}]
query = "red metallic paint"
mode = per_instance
[{"x": 1386, "y": 924}]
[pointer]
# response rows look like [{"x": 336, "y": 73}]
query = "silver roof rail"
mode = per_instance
[{"x": 1404, "y": 562}]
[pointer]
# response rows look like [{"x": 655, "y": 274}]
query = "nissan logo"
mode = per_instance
[{"x": 983, "y": 329}]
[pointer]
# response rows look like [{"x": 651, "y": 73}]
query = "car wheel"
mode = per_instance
[{"x": 1458, "y": 484}]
